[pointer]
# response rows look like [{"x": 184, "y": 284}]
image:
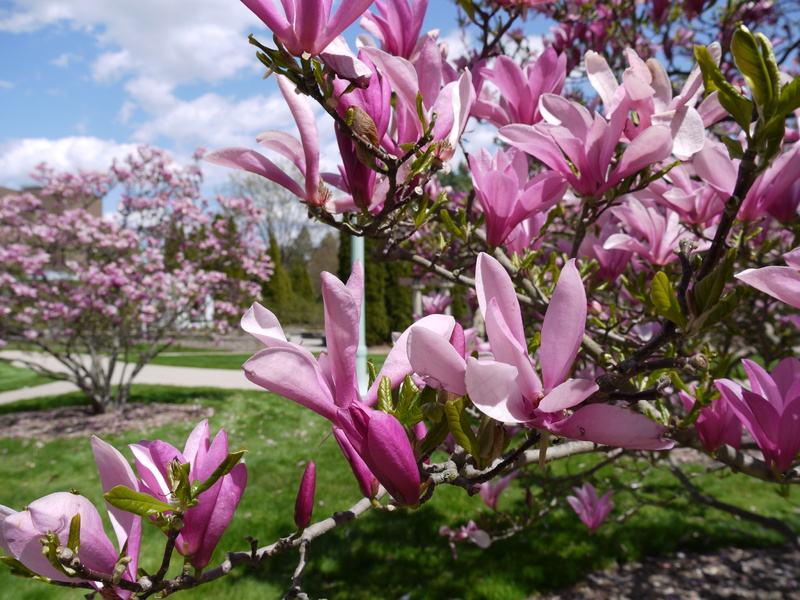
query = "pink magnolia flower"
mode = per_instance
[
  {"x": 519, "y": 90},
  {"x": 466, "y": 533},
  {"x": 771, "y": 411},
  {"x": 205, "y": 523},
  {"x": 491, "y": 490},
  {"x": 717, "y": 424},
  {"x": 592, "y": 510},
  {"x": 382, "y": 443},
  {"x": 303, "y": 154},
  {"x": 328, "y": 385},
  {"x": 659, "y": 229},
  {"x": 782, "y": 283},
  {"x": 304, "y": 505},
  {"x": 582, "y": 146},
  {"x": 648, "y": 90},
  {"x": 21, "y": 532},
  {"x": 505, "y": 193},
  {"x": 445, "y": 93},
  {"x": 307, "y": 26},
  {"x": 366, "y": 480},
  {"x": 509, "y": 389},
  {"x": 397, "y": 25},
  {"x": 774, "y": 191}
]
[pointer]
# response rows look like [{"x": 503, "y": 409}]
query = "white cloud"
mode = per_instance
[
  {"x": 178, "y": 41},
  {"x": 6, "y": 85},
  {"x": 18, "y": 158},
  {"x": 64, "y": 59}
]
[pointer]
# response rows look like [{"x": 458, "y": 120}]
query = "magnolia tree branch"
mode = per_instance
[
  {"x": 769, "y": 522},
  {"x": 737, "y": 460}
]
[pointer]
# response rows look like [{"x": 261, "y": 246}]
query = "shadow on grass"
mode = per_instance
[{"x": 401, "y": 555}]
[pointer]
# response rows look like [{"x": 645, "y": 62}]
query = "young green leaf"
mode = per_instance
[
  {"x": 74, "y": 539},
  {"x": 750, "y": 61},
  {"x": 664, "y": 300},
  {"x": 223, "y": 469},
  {"x": 126, "y": 499}
]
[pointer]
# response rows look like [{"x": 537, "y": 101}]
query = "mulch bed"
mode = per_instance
[{"x": 79, "y": 421}]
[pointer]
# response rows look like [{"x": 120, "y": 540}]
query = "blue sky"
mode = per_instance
[{"x": 84, "y": 81}]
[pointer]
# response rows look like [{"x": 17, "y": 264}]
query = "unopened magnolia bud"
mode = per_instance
[{"x": 304, "y": 505}]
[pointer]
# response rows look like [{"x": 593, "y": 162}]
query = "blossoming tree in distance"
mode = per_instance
[
  {"x": 104, "y": 296},
  {"x": 625, "y": 241}
]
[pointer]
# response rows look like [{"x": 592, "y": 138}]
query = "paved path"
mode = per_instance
[{"x": 231, "y": 379}]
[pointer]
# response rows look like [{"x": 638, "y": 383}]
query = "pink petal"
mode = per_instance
[
  {"x": 492, "y": 387},
  {"x": 568, "y": 394},
  {"x": 563, "y": 326},
  {"x": 782, "y": 283},
  {"x": 613, "y": 426},
  {"x": 432, "y": 355},
  {"x": 293, "y": 375}
]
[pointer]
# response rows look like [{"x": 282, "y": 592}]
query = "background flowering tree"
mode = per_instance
[
  {"x": 602, "y": 239},
  {"x": 105, "y": 295}
]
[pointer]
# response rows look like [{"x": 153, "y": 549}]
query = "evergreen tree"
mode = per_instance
[{"x": 278, "y": 290}]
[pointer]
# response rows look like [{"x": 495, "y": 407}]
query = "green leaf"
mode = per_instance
[
  {"x": 372, "y": 371},
  {"x": 137, "y": 503},
  {"x": 20, "y": 570},
  {"x": 74, "y": 540},
  {"x": 734, "y": 146},
  {"x": 739, "y": 107},
  {"x": 707, "y": 292},
  {"x": 385, "y": 403},
  {"x": 722, "y": 310},
  {"x": 460, "y": 428},
  {"x": 664, "y": 300},
  {"x": 749, "y": 60},
  {"x": 178, "y": 475},
  {"x": 789, "y": 100},
  {"x": 447, "y": 221},
  {"x": 225, "y": 467},
  {"x": 436, "y": 435}
]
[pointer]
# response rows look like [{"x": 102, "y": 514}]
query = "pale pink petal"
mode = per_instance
[
  {"x": 568, "y": 394},
  {"x": 613, "y": 426},
  {"x": 432, "y": 355},
  {"x": 563, "y": 326},
  {"x": 493, "y": 389},
  {"x": 293, "y": 375},
  {"x": 492, "y": 281},
  {"x": 782, "y": 283}
]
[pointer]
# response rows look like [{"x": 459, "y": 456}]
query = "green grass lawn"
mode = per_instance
[
  {"x": 14, "y": 378},
  {"x": 383, "y": 554}
]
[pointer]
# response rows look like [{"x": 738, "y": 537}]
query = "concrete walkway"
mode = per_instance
[{"x": 230, "y": 379}]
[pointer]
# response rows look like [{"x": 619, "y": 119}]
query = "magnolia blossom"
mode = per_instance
[
  {"x": 328, "y": 385},
  {"x": 782, "y": 283},
  {"x": 519, "y": 89},
  {"x": 205, "y": 523},
  {"x": 771, "y": 411},
  {"x": 397, "y": 26},
  {"x": 507, "y": 195},
  {"x": 717, "y": 424},
  {"x": 509, "y": 389},
  {"x": 591, "y": 509},
  {"x": 21, "y": 532},
  {"x": 304, "y": 154},
  {"x": 307, "y": 26},
  {"x": 581, "y": 145}
]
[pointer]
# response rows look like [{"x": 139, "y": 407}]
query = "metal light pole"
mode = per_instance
[{"x": 357, "y": 253}]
